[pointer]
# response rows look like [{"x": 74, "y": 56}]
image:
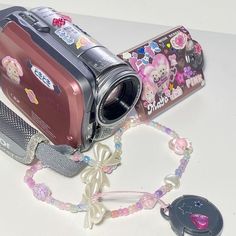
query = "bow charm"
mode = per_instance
[
  {"x": 95, "y": 210},
  {"x": 103, "y": 163}
]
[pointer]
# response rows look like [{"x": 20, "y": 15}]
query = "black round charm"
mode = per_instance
[{"x": 194, "y": 215}]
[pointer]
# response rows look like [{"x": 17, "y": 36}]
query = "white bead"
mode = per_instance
[{"x": 173, "y": 180}]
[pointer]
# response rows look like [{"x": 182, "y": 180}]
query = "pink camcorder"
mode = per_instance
[{"x": 75, "y": 91}]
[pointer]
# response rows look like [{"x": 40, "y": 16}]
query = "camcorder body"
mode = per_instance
[{"x": 73, "y": 89}]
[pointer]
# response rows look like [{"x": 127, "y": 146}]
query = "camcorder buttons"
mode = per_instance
[
  {"x": 41, "y": 27},
  {"x": 28, "y": 18},
  {"x": 32, "y": 20}
]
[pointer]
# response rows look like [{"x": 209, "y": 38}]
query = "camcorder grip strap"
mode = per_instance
[
  {"x": 15, "y": 136},
  {"x": 23, "y": 143}
]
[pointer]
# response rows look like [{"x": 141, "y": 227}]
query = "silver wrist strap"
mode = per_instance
[{"x": 23, "y": 143}]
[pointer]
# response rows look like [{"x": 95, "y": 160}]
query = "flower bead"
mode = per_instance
[
  {"x": 41, "y": 192},
  {"x": 180, "y": 145},
  {"x": 104, "y": 162},
  {"x": 148, "y": 201}
]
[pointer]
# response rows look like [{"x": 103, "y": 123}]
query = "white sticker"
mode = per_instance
[{"x": 42, "y": 77}]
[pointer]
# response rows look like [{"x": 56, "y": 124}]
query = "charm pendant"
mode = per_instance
[{"x": 194, "y": 215}]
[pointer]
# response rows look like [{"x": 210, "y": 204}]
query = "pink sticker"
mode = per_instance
[
  {"x": 200, "y": 221},
  {"x": 179, "y": 41},
  {"x": 31, "y": 96},
  {"x": 13, "y": 69}
]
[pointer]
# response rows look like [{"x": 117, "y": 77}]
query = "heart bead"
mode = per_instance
[
  {"x": 173, "y": 180},
  {"x": 200, "y": 221}
]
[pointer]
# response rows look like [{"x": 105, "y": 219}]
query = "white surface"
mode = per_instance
[
  {"x": 207, "y": 118},
  {"x": 211, "y": 15}
]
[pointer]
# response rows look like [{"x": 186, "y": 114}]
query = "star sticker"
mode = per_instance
[
  {"x": 171, "y": 86},
  {"x": 163, "y": 45},
  {"x": 198, "y": 204},
  {"x": 185, "y": 209}
]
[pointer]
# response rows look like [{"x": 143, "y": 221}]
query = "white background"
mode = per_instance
[
  {"x": 212, "y": 15},
  {"x": 207, "y": 118}
]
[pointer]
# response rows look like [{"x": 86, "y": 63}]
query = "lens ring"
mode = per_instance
[{"x": 119, "y": 99}]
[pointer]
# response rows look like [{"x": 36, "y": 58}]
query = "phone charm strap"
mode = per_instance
[{"x": 187, "y": 214}]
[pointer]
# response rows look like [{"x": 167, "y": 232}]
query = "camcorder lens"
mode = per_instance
[
  {"x": 119, "y": 99},
  {"x": 114, "y": 94}
]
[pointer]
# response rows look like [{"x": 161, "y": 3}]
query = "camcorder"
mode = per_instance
[
  {"x": 75, "y": 91},
  {"x": 72, "y": 88}
]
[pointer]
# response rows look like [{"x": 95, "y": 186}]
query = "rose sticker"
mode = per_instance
[{"x": 179, "y": 41}]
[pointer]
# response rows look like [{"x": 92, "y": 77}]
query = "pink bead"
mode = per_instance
[
  {"x": 179, "y": 145},
  {"x": 33, "y": 169},
  {"x": 139, "y": 206},
  {"x": 30, "y": 182},
  {"x": 62, "y": 206},
  {"x": 114, "y": 214},
  {"x": 148, "y": 201},
  {"x": 68, "y": 206},
  {"x": 76, "y": 157},
  {"x": 38, "y": 165},
  {"x": 29, "y": 173},
  {"x": 26, "y": 178},
  {"x": 120, "y": 212},
  {"x": 41, "y": 192},
  {"x": 125, "y": 211}
]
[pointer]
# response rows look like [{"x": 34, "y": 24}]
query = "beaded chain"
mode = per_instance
[{"x": 95, "y": 178}]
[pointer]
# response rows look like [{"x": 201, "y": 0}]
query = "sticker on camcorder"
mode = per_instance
[
  {"x": 61, "y": 20},
  {"x": 65, "y": 36},
  {"x": 179, "y": 41},
  {"x": 82, "y": 42},
  {"x": 170, "y": 66},
  {"x": 31, "y": 95},
  {"x": 13, "y": 69},
  {"x": 44, "y": 78}
]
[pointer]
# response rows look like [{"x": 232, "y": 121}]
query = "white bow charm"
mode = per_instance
[
  {"x": 96, "y": 174},
  {"x": 95, "y": 210}
]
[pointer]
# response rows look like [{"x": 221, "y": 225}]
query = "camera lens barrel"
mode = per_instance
[
  {"x": 118, "y": 92},
  {"x": 118, "y": 86}
]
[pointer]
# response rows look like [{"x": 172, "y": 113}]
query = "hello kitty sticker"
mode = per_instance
[
  {"x": 13, "y": 69},
  {"x": 170, "y": 67}
]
